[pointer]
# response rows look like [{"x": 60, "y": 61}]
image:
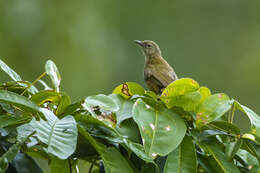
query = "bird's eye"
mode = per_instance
[{"x": 148, "y": 45}]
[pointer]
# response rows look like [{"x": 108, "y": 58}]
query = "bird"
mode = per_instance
[{"x": 158, "y": 74}]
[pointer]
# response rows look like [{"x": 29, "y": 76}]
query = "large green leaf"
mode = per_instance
[
  {"x": 212, "y": 108},
  {"x": 114, "y": 162},
  {"x": 253, "y": 117},
  {"x": 182, "y": 159},
  {"x": 125, "y": 107},
  {"x": 182, "y": 93},
  {"x": 161, "y": 130},
  {"x": 60, "y": 135},
  {"x": 19, "y": 101},
  {"x": 129, "y": 89},
  {"x": 52, "y": 70}
]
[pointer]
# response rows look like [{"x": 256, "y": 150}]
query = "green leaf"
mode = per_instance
[
  {"x": 46, "y": 96},
  {"x": 252, "y": 149},
  {"x": 125, "y": 135},
  {"x": 52, "y": 70},
  {"x": 58, "y": 165},
  {"x": 161, "y": 130},
  {"x": 9, "y": 71},
  {"x": 13, "y": 75},
  {"x": 232, "y": 148},
  {"x": 125, "y": 107},
  {"x": 103, "y": 101},
  {"x": 204, "y": 162},
  {"x": 129, "y": 89},
  {"x": 113, "y": 161},
  {"x": 10, "y": 154},
  {"x": 251, "y": 161},
  {"x": 24, "y": 131},
  {"x": 59, "y": 134},
  {"x": 97, "y": 127},
  {"x": 10, "y": 120},
  {"x": 64, "y": 102},
  {"x": 129, "y": 130},
  {"x": 182, "y": 93},
  {"x": 225, "y": 126},
  {"x": 204, "y": 92},
  {"x": 253, "y": 117},
  {"x": 222, "y": 161},
  {"x": 24, "y": 163},
  {"x": 19, "y": 101},
  {"x": 208, "y": 133},
  {"x": 183, "y": 159},
  {"x": 212, "y": 108}
]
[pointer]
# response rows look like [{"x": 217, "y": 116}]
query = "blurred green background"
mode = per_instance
[{"x": 216, "y": 42}]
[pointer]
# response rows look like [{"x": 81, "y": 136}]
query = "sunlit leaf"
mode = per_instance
[
  {"x": 161, "y": 130},
  {"x": 60, "y": 135},
  {"x": 129, "y": 89},
  {"x": 52, "y": 70},
  {"x": 182, "y": 93},
  {"x": 204, "y": 92},
  {"x": 212, "y": 108}
]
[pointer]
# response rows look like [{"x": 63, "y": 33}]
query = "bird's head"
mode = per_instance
[{"x": 150, "y": 48}]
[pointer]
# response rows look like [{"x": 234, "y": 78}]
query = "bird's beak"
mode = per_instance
[{"x": 139, "y": 43}]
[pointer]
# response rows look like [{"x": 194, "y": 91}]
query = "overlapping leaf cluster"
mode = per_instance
[{"x": 186, "y": 129}]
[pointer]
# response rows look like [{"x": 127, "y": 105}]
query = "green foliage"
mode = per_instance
[{"x": 186, "y": 129}]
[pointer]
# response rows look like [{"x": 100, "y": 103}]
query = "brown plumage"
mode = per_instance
[{"x": 157, "y": 72}]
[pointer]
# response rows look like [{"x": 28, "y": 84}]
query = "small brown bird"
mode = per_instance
[{"x": 157, "y": 72}]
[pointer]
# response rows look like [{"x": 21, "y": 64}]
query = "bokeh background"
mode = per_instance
[{"x": 216, "y": 42}]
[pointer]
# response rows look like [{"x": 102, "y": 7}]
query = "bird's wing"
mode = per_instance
[{"x": 164, "y": 76}]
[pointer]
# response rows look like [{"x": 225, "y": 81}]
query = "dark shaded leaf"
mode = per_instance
[{"x": 183, "y": 159}]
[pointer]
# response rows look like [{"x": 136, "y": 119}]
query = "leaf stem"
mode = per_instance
[
  {"x": 36, "y": 80},
  {"x": 91, "y": 167}
]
